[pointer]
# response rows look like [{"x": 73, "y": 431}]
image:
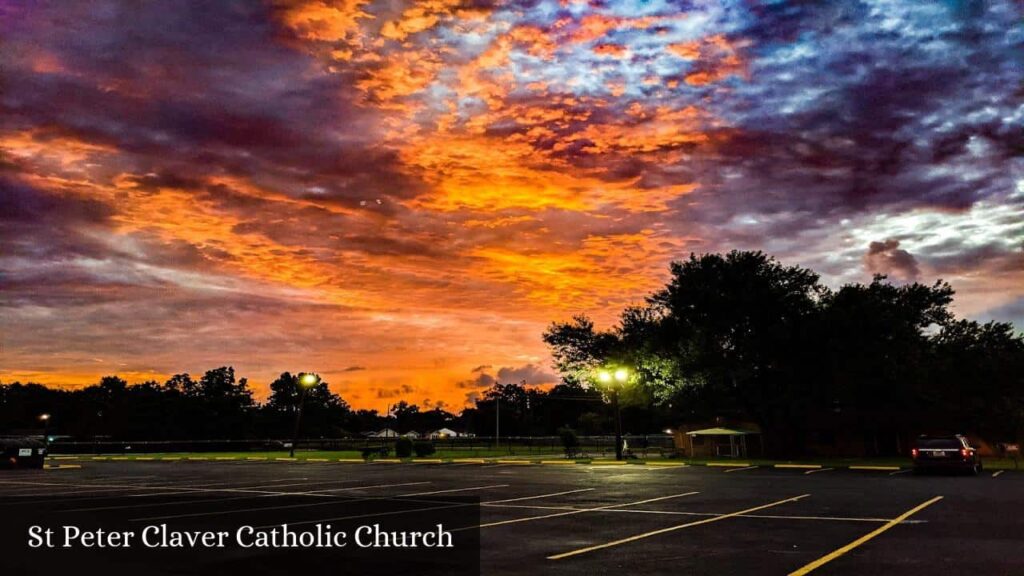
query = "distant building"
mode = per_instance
[
  {"x": 443, "y": 433},
  {"x": 412, "y": 434},
  {"x": 383, "y": 433}
]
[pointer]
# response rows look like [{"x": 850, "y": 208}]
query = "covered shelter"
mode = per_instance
[{"x": 719, "y": 442}]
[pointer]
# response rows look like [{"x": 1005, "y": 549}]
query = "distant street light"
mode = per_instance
[
  {"x": 619, "y": 376},
  {"x": 306, "y": 381},
  {"x": 45, "y": 419}
]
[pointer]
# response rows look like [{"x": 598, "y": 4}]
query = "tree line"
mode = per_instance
[
  {"x": 733, "y": 338},
  {"x": 219, "y": 405},
  {"x": 740, "y": 337}
]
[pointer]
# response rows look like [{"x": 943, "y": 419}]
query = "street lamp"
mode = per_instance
[
  {"x": 619, "y": 376},
  {"x": 45, "y": 419},
  {"x": 306, "y": 381}
]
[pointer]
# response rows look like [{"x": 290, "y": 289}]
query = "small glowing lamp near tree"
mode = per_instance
[
  {"x": 306, "y": 381},
  {"x": 45, "y": 419},
  {"x": 612, "y": 380}
]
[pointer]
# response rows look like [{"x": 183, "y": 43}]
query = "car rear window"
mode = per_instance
[{"x": 938, "y": 443}]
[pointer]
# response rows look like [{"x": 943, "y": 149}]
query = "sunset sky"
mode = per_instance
[{"x": 401, "y": 195}]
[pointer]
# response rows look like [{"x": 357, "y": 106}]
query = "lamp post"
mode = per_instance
[
  {"x": 615, "y": 379},
  {"x": 45, "y": 419},
  {"x": 306, "y": 381}
]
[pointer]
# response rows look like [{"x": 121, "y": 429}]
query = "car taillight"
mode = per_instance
[
  {"x": 913, "y": 452},
  {"x": 965, "y": 452}
]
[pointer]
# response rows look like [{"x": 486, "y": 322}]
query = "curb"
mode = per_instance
[{"x": 799, "y": 466}]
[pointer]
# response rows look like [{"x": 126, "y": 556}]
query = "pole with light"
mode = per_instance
[
  {"x": 45, "y": 419},
  {"x": 613, "y": 380},
  {"x": 306, "y": 381}
]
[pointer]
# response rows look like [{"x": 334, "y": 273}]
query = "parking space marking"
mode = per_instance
[
  {"x": 453, "y": 490},
  {"x": 102, "y": 493},
  {"x": 740, "y": 469},
  {"x": 904, "y": 471},
  {"x": 552, "y": 494},
  {"x": 840, "y": 551},
  {"x": 208, "y": 500},
  {"x": 577, "y": 511},
  {"x": 321, "y": 503},
  {"x": 997, "y": 473},
  {"x": 318, "y": 493},
  {"x": 819, "y": 470},
  {"x": 672, "y": 529},
  {"x": 799, "y": 466},
  {"x": 427, "y": 509},
  {"x": 875, "y": 468}
]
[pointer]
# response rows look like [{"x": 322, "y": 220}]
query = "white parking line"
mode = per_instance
[
  {"x": 453, "y": 490},
  {"x": 196, "y": 501},
  {"x": 576, "y": 511},
  {"x": 427, "y": 509},
  {"x": 997, "y": 473},
  {"x": 536, "y": 497},
  {"x": 672, "y": 528},
  {"x": 320, "y": 503},
  {"x": 183, "y": 489},
  {"x": 740, "y": 469},
  {"x": 819, "y": 470},
  {"x": 904, "y": 471}
]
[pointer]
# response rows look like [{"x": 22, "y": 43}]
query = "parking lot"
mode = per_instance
[{"x": 573, "y": 519}]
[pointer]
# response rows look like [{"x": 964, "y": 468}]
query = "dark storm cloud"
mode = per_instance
[
  {"x": 887, "y": 258},
  {"x": 529, "y": 374},
  {"x": 204, "y": 87}
]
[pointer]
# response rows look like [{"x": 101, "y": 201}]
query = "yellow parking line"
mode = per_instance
[
  {"x": 668, "y": 464},
  {"x": 608, "y": 462},
  {"x": 513, "y": 462},
  {"x": 469, "y": 461},
  {"x": 802, "y": 466},
  {"x": 349, "y": 461},
  {"x": 728, "y": 464},
  {"x": 740, "y": 469},
  {"x": 428, "y": 461},
  {"x": 61, "y": 466},
  {"x": 557, "y": 461},
  {"x": 839, "y": 552},
  {"x": 819, "y": 470},
  {"x": 387, "y": 460},
  {"x": 673, "y": 528},
  {"x": 285, "y": 459},
  {"x": 874, "y": 467},
  {"x": 317, "y": 460}
]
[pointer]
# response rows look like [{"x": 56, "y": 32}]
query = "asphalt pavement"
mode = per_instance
[{"x": 532, "y": 519}]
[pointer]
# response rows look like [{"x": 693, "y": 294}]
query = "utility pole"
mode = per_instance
[
  {"x": 618, "y": 424},
  {"x": 497, "y": 421}
]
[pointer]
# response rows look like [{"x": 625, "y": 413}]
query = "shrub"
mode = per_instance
[
  {"x": 423, "y": 448},
  {"x": 570, "y": 441},
  {"x": 371, "y": 453},
  {"x": 403, "y": 448}
]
